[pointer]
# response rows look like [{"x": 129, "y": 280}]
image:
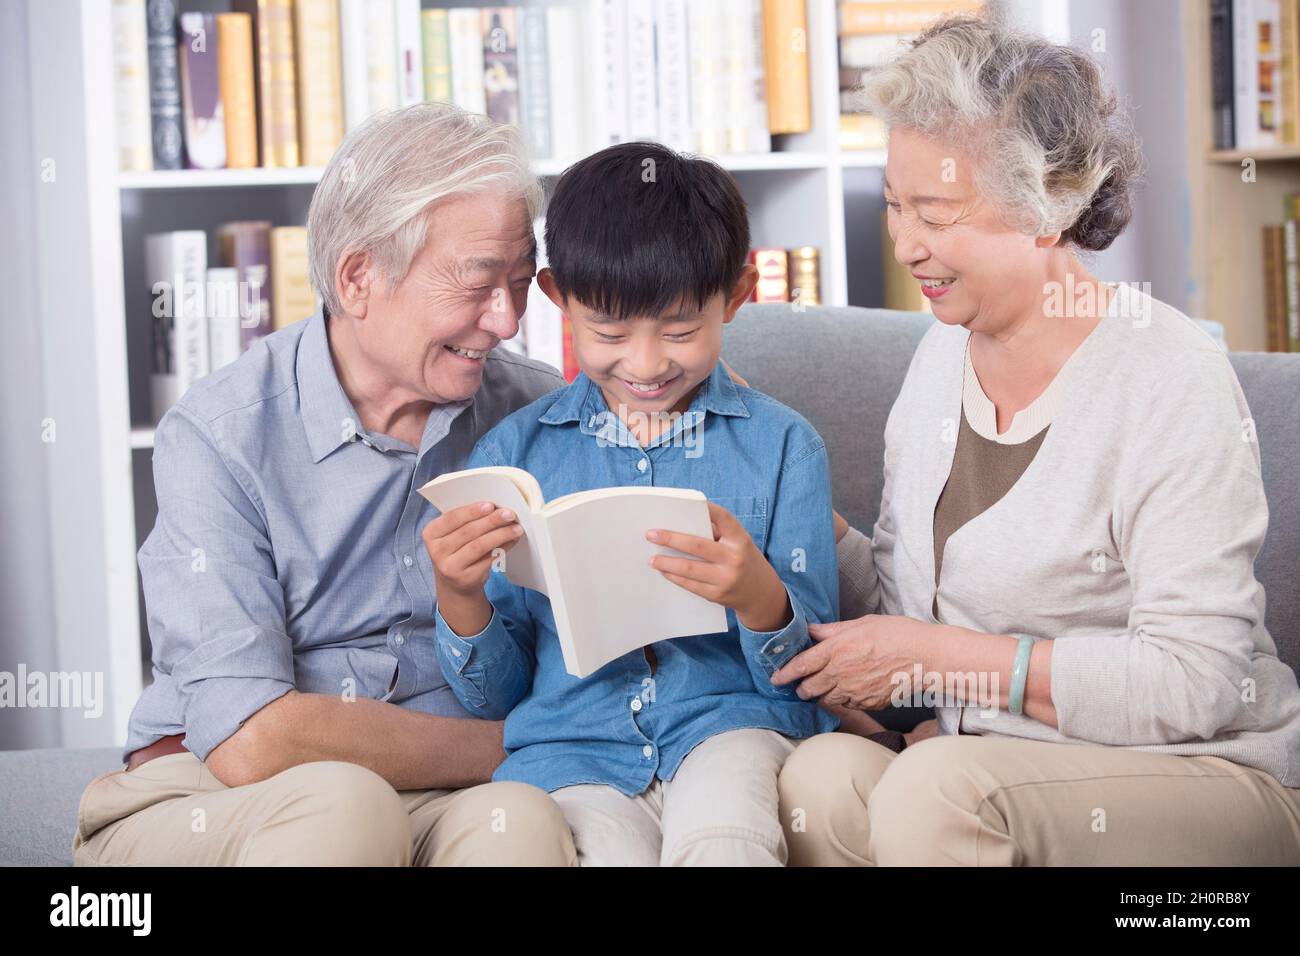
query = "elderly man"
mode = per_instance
[{"x": 297, "y": 713}]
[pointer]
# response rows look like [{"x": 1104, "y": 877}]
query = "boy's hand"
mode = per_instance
[
  {"x": 462, "y": 544},
  {"x": 731, "y": 571}
]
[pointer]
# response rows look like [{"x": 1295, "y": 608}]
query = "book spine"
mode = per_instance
[
  {"x": 754, "y": 71},
  {"x": 534, "y": 82},
  {"x": 205, "y": 125},
  {"x": 235, "y": 77},
  {"x": 907, "y": 17},
  {"x": 354, "y": 44},
  {"x": 246, "y": 246},
  {"x": 673, "y": 74},
  {"x": 410, "y": 52},
  {"x": 1290, "y": 79},
  {"x": 381, "y": 56},
  {"x": 707, "y": 103},
  {"x": 1221, "y": 72},
  {"x": 805, "y": 276},
  {"x": 501, "y": 65},
  {"x": 1292, "y": 287},
  {"x": 612, "y": 40},
  {"x": 773, "y": 275},
  {"x": 569, "y": 107},
  {"x": 164, "y": 86},
  {"x": 785, "y": 48},
  {"x": 1245, "y": 66},
  {"x": 467, "y": 59},
  {"x": 277, "y": 98},
  {"x": 292, "y": 298},
  {"x": 320, "y": 85},
  {"x": 1268, "y": 84},
  {"x": 640, "y": 74},
  {"x": 176, "y": 265},
  {"x": 736, "y": 76},
  {"x": 222, "y": 298},
  {"x": 435, "y": 42},
  {"x": 131, "y": 85}
]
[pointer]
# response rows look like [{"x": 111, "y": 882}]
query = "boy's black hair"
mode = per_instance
[{"x": 635, "y": 228}]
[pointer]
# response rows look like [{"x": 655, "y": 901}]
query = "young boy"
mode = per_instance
[{"x": 668, "y": 755}]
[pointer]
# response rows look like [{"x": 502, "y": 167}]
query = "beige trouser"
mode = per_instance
[
  {"x": 720, "y": 809},
  {"x": 171, "y": 811},
  {"x": 991, "y": 801}
]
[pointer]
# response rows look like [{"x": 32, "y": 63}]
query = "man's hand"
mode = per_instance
[
  {"x": 730, "y": 571},
  {"x": 462, "y": 544}
]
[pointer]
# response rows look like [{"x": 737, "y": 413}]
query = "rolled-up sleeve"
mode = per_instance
[
  {"x": 216, "y": 610},
  {"x": 1191, "y": 516}
]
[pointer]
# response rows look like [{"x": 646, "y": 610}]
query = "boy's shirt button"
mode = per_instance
[
  {"x": 647, "y": 751},
  {"x": 640, "y": 465},
  {"x": 636, "y": 705}
]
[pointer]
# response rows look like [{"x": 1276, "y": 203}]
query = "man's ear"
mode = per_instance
[
  {"x": 353, "y": 282},
  {"x": 546, "y": 282},
  {"x": 741, "y": 291}
]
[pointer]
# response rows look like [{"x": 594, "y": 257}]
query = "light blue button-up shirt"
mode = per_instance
[
  {"x": 628, "y": 723},
  {"x": 287, "y": 552}
]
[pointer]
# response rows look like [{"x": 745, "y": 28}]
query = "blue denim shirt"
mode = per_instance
[
  {"x": 628, "y": 723},
  {"x": 287, "y": 551}
]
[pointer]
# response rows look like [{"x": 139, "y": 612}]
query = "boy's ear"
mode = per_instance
[
  {"x": 741, "y": 291},
  {"x": 546, "y": 282}
]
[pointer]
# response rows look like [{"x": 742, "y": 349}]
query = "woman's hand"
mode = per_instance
[
  {"x": 730, "y": 571},
  {"x": 853, "y": 663}
]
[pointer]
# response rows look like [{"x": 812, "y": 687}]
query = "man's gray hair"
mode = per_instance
[
  {"x": 375, "y": 193},
  {"x": 1054, "y": 149}
]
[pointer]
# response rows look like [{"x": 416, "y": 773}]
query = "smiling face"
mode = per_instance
[
  {"x": 463, "y": 295},
  {"x": 650, "y": 365},
  {"x": 976, "y": 270}
]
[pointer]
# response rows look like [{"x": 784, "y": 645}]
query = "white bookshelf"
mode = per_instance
[{"x": 96, "y": 353}]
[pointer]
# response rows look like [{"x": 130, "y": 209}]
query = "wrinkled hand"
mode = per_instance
[
  {"x": 727, "y": 569},
  {"x": 853, "y": 663}
]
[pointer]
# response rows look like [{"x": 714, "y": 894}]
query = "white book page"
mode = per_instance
[
  {"x": 614, "y": 601},
  {"x": 523, "y": 562}
]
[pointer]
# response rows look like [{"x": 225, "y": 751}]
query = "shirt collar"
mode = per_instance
[
  {"x": 583, "y": 402},
  {"x": 325, "y": 407}
]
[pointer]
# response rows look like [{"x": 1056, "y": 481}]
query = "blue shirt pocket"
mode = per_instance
[{"x": 751, "y": 512}]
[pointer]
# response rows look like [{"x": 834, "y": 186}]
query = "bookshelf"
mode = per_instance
[
  {"x": 1227, "y": 212},
  {"x": 91, "y": 224}
]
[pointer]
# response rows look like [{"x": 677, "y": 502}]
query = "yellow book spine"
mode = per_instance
[
  {"x": 292, "y": 298},
  {"x": 320, "y": 80},
  {"x": 277, "y": 97},
  {"x": 785, "y": 42},
  {"x": 235, "y": 75}
]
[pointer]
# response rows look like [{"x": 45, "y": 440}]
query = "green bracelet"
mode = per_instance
[{"x": 1019, "y": 673}]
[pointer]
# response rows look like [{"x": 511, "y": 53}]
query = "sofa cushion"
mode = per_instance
[{"x": 39, "y": 794}]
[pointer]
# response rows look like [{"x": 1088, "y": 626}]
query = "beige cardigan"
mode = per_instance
[{"x": 1130, "y": 540}]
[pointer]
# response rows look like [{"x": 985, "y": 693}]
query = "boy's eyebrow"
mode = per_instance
[
  {"x": 923, "y": 199},
  {"x": 604, "y": 318}
]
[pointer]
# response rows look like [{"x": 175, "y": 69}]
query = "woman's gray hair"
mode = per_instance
[
  {"x": 1055, "y": 151},
  {"x": 375, "y": 193}
]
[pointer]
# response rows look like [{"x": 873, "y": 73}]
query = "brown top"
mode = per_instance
[{"x": 983, "y": 471}]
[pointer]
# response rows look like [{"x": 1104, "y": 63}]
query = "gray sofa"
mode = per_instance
[{"x": 842, "y": 369}]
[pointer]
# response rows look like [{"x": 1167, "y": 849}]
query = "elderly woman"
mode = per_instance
[
  {"x": 298, "y": 714},
  {"x": 1071, "y": 511}
]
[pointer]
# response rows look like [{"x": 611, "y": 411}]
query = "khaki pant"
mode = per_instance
[
  {"x": 969, "y": 800},
  {"x": 171, "y": 811},
  {"x": 720, "y": 809}
]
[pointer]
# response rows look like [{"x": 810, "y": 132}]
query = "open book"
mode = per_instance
[{"x": 588, "y": 553}]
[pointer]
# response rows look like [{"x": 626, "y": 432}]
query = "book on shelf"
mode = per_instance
[
  {"x": 205, "y": 125},
  {"x": 1275, "y": 298},
  {"x": 246, "y": 246},
  {"x": 131, "y": 85},
  {"x": 292, "y": 298},
  {"x": 1254, "y": 73},
  {"x": 500, "y": 65},
  {"x": 222, "y": 299},
  {"x": 294, "y": 75},
  {"x": 239, "y": 103},
  {"x": 164, "y": 86},
  {"x": 274, "y": 79},
  {"x": 597, "y": 535},
  {"x": 773, "y": 267},
  {"x": 320, "y": 81},
  {"x": 410, "y": 52},
  {"x": 175, "y": 266}
]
